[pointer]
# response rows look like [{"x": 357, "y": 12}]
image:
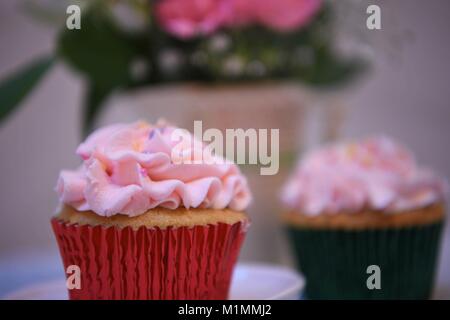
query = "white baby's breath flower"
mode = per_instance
[
  {"x": 233, "y": 66},
  {"x": 219, "y": 43}
]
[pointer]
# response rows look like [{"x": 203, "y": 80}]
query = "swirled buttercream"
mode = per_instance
[
  {"x": 375, "y": 173},
  {"x": 129, "y": 169}
]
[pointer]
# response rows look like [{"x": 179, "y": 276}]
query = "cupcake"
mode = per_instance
[
  {"x": 143, "y": 218},
  {"x": 365, "y": 221}
]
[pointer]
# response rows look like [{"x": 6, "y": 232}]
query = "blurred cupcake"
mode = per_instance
[
  {"x": 141, "y": 222},
  {"x": 358, "y": 204}
]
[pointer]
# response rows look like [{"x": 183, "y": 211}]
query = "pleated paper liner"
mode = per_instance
[
  {"x": 151, "y": 263},
  {"x": 335, "y": 262}
]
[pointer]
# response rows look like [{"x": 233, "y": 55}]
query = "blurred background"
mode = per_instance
[{"x": 392, "y": 81}]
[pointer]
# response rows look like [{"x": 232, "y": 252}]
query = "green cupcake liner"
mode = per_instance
[{"x": 335, "y": 262}]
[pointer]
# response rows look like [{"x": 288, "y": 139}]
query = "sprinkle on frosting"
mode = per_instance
[
  {"x": 375, "y": 173},
  {"x": 127, "y": 169}
]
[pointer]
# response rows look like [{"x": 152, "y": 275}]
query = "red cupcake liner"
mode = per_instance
[{"x": 151, "y": 263}]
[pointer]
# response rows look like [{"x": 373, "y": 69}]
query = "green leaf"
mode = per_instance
[
  {"x": 99, "y": 50},
  {"x": 94, "y": 101},
  {"x": 332, "y": 70},
  {"x": 103, "y": 53},
  {"x": 15, "y": 88}
]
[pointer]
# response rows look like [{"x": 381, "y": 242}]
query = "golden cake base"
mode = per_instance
[
  {"x": 367, "y": 219},
  {"x": 158, "y": 217}
]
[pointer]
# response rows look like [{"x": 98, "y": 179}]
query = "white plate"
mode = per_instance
[{"x": 250, "y": 282}]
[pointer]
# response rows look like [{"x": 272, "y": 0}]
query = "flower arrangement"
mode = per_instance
[{"x": 208, "y": 41}]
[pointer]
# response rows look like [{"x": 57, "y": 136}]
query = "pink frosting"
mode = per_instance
[
  {"x": 375, "y": 173},
  {"x": 128, "y": 169}
]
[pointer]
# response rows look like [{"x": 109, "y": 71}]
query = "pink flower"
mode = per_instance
[
  {"x": 189, "y": 18},
  {"x": 286, "y": 15},
  {"x": 280, "y": 15},
  {"x": 242, "y": 12}
]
